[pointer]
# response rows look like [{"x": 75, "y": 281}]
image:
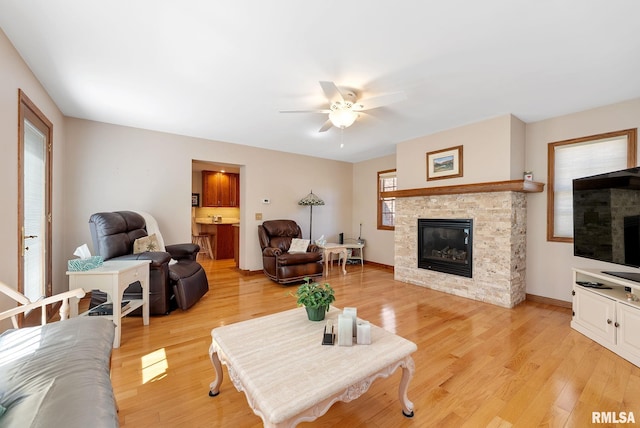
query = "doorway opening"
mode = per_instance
[{"x": 215, "y": 208}]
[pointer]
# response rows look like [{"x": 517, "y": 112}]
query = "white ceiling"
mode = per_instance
[{"x": 222, "y": 70}]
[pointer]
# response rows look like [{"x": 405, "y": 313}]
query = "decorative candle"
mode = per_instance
[
  {"x": 364, "y": 333},
  {"x": 345, "y": 330},
  {"x": 353, "y": 313}
]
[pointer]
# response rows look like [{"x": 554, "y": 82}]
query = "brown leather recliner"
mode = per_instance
[
  {"x": 114, "y": 234},
  {"x": 278, "y": 264}
]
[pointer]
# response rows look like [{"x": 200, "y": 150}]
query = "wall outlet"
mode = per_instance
[
  {"x": 266, "y": 200},
  {"x": 258, "y": 216}
]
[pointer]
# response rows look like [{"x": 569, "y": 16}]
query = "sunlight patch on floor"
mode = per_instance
[
  {"x": 388, "y": 317},
  {"x": 154, "y": 366}
]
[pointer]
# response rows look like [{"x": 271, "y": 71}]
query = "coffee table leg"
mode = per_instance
[
  {"x": 408, "y": 369},
  {"x": 214, "y": 387}
]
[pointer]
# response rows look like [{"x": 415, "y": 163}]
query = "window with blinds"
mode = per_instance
[{"x": 577, "y": 158}]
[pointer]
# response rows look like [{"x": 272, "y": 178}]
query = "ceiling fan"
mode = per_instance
[{"x": 345, "y": 107}]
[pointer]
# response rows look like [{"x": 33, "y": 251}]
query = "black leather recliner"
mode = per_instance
[
  {"x": 278, "y": 264},
  {"x": 113, "y": 235}
]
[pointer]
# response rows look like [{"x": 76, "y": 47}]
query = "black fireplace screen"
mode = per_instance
[{"x": 445, "y": 245}]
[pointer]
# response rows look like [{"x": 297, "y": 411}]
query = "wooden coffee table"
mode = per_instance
[{"x": 289, "y": 377}]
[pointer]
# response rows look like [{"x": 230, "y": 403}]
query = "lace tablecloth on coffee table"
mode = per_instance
[{"x": 288, "y": 376}]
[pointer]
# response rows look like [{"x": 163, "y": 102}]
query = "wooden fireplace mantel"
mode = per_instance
[{"x": 524, "y": 186}]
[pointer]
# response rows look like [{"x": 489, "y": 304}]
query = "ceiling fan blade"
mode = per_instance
[
  {"x": 327, "y": 125},
  {"x": 331, "y": 91},
  {"x": 306, "y": 111},
  {"x": 379, "y": 101}
]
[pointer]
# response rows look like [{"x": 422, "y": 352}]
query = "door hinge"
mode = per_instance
[{"x": 49, "y": 217}]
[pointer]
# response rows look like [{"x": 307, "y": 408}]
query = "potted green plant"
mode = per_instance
[{"x": 316, "y": 298}]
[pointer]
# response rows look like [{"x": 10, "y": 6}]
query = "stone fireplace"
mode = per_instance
[{"x": 499, "y": 241}]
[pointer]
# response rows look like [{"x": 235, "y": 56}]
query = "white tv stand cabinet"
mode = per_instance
[{"x": 606, "y": 315}]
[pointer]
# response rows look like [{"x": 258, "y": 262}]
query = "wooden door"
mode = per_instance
[{"x": 35, "y": 146}]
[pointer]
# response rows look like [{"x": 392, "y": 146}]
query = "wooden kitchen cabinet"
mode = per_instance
[
  {"x": 236, "y": 244},
  {"x": 220, "y": 189},
  {"x": 224, "y": 240}
]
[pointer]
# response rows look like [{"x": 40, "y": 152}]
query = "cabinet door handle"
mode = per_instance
[
  {"x": 609, "y": 321},
  {"x": 616, "y": 324}
]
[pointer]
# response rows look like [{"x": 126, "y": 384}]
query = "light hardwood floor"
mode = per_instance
[{"x": 477, "y": 364}]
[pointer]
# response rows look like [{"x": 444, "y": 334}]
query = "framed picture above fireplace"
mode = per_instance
[{"x": 445, "y": 163}]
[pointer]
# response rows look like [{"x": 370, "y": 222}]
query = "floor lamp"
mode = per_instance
[{"x": 311, "y": 200}]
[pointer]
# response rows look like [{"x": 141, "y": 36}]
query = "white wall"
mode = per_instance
[
  {"x": 15, "y": 74},
  {"x": 379, "y": 243},
  {"x": 549, "y": 263},
  {"x": 120, "y": 168}
]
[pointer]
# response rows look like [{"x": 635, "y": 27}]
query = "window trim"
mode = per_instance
[
  {"x": 380, "y": 225},
  {"x": 631, "y": 135}
]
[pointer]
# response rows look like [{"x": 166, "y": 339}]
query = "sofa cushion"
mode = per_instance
[
  {"x": 281, "y": 242},
  {"x": 299, "y": 245},
  {"x": 146, "y": 244},
  {"x": 298, "y": 258},
  {"x": 57, "y": 375},
  {"x": 287, "y": 228},
  {"x": 118, "y": 231}
]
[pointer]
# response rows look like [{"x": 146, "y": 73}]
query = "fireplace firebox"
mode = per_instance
[{"x": 445, "y": 245}]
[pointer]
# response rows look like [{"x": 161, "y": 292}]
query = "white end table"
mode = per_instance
[
  {"x": 113, "y": 277},
  {"x": 359, "y": 255},
  {"x": 327, "y": 250}
]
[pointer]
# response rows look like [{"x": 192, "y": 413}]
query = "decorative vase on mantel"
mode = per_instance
[{"x": 317, "y": 313}]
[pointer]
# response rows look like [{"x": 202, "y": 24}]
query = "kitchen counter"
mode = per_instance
[
  {"x": 222, "y": 233},
  {"x": 225, "y": 220}
]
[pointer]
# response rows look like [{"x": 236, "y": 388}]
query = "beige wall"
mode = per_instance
[
  {"x": 118, "y": 168},
  {"x": 379, "y": 243},
  {"x": 493, "y": 150},
  {"x": 105, "y": 167},
  {"x": 549, "y": 263},
  {"x": 15, "y": 74},
  {"x": 518, "y": 149}
]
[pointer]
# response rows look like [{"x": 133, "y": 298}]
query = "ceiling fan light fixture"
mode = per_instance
[{"x": 342, "y": 117}]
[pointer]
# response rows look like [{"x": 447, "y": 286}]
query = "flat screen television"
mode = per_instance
[{"x": 606, "y": 219}]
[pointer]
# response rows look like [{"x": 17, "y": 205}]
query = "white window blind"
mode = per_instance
[
  {"x": 581, "y": 160},
  {"x": 34, "y": 210}
]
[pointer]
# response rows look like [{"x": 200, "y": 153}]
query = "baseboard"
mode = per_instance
[
  {"x": 548, "y": 301},
  {"x": 246, "y": 272},
  {"x": 379, "y": 265}
]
